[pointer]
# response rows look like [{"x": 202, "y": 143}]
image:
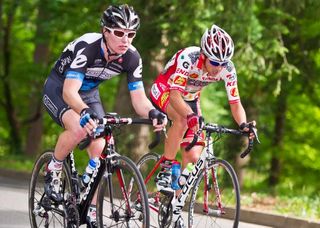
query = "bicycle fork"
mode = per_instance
[{"x": 207, "y": 188}]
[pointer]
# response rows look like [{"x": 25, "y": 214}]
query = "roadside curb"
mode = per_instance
[
  {"x": 276, "y": 221},
  {"x": 20, "y": 175},
  {"x": 248, "y": 216}
]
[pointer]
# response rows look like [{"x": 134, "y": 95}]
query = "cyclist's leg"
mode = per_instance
[
  {"x": 94, "y": 149},
  {"x": 175, "y": 132},
  {"x": 194, "y": 153},
  {"x": 171, "y": 147},
  {"x": 92, "y": 99},
  {"x": 64, "y": 116}
]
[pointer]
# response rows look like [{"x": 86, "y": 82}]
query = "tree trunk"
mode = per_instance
[
  {"x": 35, "y": 128},
  {"x": 7, "y": 101},
  {"x": 277, "y": 144}
]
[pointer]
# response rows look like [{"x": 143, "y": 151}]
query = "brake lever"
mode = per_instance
[{"x": 252, "y": 129}]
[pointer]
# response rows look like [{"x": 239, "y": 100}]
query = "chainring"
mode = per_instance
[
  {"x": 72, "y": 216},
  {"x": 165, "y": 212}
]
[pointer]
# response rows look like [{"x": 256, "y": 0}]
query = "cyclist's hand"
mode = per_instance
[
  {"x": 87, "y": 120},
  {"x": 193, "y": 121},
  {"x": 245, "y": 127},
  {"x": 159, "y": 119}
]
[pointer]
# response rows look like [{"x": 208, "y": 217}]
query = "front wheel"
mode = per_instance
[
  {"x": 43, "y": 212},
  {"x": 215, "y": 197},
  {"x": 146, "y": 164},
  {"x": 122, "y": 202}
]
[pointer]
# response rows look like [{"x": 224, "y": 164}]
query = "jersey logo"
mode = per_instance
[
  {"x": 138, "y": 71},
  {"x": 135, "y": 85},
  {"x": 164, "y": 98},
  {"x": 181, "y": 71},
  {"x": 155, "y": 91},
  {"x": 181, "y": 81},
  {"x": 234, "y": 92},
  {"x": 186, "y": 65},
  {"x": 50, "y": 105},
  {"x": 193, "y": 76},
  {"x": 80, "y": 60},
  {"x": 233, "y": 83}
]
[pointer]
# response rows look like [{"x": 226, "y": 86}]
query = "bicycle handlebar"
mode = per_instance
[
  {"x": 214, "y": 128},
  {"x": 115, "y": 120}
]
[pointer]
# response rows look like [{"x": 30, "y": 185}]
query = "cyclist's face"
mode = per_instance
[
  {"x": 119, "y": 40},
  {"x": 212, "y": 69}
]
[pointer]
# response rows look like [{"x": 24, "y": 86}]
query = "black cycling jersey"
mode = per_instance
[{"x": 83, "y": 59}]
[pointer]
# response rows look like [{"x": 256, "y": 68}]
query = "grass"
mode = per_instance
[
  {"x": 300, "y": 206},
  {"x": 284, "y": 199}
]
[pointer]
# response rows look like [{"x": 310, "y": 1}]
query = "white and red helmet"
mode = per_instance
[{"x": 217, "y": 44}]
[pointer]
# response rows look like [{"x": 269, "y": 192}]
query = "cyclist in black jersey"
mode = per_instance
[{"x": 71, "y": 93}]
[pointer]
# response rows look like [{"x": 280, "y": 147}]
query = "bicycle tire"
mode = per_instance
[
  {"x": 229, "y": 193},
  {"x": 121, "y": 217},
  {"x": 145, "y": 165},
  {"x": 36, "y": 194}
]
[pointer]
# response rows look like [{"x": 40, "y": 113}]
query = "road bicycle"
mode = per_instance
[
  {"x": 120, "y": 201},
  {"x": 213, "y": 184}
]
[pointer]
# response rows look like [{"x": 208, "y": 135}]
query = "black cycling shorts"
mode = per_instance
[{"x": 56, "y": 106}]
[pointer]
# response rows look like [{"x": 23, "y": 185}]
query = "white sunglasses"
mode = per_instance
[{"x": 120, "y": 33}]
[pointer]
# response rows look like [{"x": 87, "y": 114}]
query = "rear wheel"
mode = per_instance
[
  {"x": 43, "y": 212},
  {"x": 215, "y": 197},
  {"x": 122, "y": 202}
]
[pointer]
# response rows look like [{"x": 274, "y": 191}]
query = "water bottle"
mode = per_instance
[
  {"x": 185, "y": 174},
  {"x": 175, "y": 175},
  {"x": 88, "y": 172}
]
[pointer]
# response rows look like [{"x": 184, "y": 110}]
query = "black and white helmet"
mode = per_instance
[
  {"x": 217, "y": 44},
  {"x": 122, "y": 16}
]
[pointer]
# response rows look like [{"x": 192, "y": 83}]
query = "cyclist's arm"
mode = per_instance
[
  {"x": 71, "y": 95},
  {"x": 238, "y": 113},
  {"x": 140, "y": 102}
]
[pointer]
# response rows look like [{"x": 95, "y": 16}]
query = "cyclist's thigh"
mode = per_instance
[
  {"x": 92, "y": 99},
  {"x": 52, "y": 98}
]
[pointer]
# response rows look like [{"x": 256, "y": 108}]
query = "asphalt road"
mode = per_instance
[{"x": 14, "y": 203}]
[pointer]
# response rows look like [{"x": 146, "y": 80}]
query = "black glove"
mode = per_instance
[
  {"x": 155, "y": 114},
  {"x": 85, "y": 115},
  {"x": 248, "y": 125}
]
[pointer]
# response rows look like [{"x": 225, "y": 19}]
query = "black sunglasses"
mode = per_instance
[{"x": 214, "y": 63}]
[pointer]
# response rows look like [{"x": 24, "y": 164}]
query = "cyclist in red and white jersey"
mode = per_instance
[{"x": 176, "y": 92}]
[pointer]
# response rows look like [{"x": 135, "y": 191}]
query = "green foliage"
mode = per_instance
[{"x": 277, "y": 57}]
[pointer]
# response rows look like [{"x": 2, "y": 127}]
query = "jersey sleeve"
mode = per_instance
[
  {"x": 178, "y": 80},
  {"x": 81, "y": 60},
  {"x": 230, "y": 79},
  {"x": 134, "y": 69}
]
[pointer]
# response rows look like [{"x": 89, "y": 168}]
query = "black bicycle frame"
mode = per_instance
[{"x": 90, "y": 190}]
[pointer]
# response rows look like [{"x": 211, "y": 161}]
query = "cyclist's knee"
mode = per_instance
[
  {"x": 96, "y": 147},
  {"x": 192, "y": 156},
  {"x": 78, "y": 134}
]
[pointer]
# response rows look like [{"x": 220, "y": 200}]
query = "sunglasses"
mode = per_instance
[
  {"x": 120, "y": 33},
  {"x": 214, "y": 63}
]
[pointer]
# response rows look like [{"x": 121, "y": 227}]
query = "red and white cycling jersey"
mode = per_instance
[{"x": 184, "y": 72}]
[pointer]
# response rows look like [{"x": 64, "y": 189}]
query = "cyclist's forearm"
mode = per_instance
[
  {"x": 238, "y": 113},
  {"x": 140, "y": 103}
]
